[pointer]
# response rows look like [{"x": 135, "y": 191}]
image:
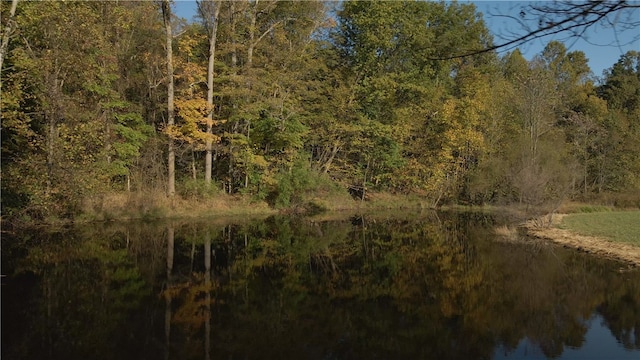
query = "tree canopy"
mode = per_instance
[{"x": 289, "y": 101}]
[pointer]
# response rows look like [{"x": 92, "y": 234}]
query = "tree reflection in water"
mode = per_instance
[{"x": 434, "y": 286}]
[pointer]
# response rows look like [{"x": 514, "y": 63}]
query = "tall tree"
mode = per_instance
[
  {"x": 6, "y": 34},
  {"x": 210, "y": 12},
  {"x": 72, "y": 134},
  {"x": 171, "y": 158},
  {"x": 621, "y": 90},
  {"x": 264, "y": 51},
  {"x": 388, "y": 47}
]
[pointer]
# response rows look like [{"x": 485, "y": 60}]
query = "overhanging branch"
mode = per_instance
[{"x": 562, "y": 17}]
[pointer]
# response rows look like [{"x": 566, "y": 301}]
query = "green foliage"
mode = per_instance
[
  {"x": 197, "y": 189},
  {"x": 300, "y": 184},
  {"x": 622, "y": 82},
  {"x": 362, "y": 96},
  {"x": 76, "y": 112},
  {"x": 132, "y": 133},
  {"x": 619, "y": 166}
]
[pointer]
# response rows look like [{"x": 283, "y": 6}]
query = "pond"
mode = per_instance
[{"x": 435, "y": 285}]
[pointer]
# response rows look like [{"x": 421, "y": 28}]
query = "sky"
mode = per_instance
[{"x": 602, "y": 44}]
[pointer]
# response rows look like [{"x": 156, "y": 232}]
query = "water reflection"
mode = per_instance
[{"x": 435, "y": 286}]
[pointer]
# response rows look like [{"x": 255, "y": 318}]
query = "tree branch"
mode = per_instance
[{"x": 560, "y": 17}]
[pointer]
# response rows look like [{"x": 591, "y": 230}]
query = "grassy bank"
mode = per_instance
[
  {"x": 622, "y": 226},
  {"x": 612, "y": 234},
  {"x": 154, "y": 206}
]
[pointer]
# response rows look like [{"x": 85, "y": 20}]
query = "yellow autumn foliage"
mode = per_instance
[{"x": 192, "y": 124}]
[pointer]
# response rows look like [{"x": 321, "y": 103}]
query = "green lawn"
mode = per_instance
[{"x": 623, "y": 226}]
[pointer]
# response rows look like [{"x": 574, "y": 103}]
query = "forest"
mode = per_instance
[{"x": 281, "y": 102}]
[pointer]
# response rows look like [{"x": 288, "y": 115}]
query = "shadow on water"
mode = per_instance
[{"x": 433, "y": 286}]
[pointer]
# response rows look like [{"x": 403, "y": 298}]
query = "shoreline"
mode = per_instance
[
  {"x": 610, "y": 249},
  {"x": 544, "y": 228}
]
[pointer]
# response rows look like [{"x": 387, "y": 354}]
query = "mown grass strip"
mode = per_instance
[{"x": 622, "y": 226}]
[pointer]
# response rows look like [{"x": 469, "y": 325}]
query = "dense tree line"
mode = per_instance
[{"x": 278, "y": 99}]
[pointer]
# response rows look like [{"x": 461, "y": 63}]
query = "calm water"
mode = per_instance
[{"x": 434, "y": 286}]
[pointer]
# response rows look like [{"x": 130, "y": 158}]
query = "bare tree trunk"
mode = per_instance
[
  {"x": 166, "y": 16},
  {"x": 253, "y": 41},
  {"x": 212, "y": 55},
  {"x": 194, "y": 172},
  {"x": 53, "y": 115},
  {"x": 252, "y": 34},
  {"x": 6, "y": 33},
  {"x": 50, "y": 147},
  {"x": 234, "y": 52},
  {"x": 364, "y": 181},
  {"x": 332, "y": 155}
]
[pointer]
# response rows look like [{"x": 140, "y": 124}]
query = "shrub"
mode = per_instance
[
  {"x": 197, "y": 189},
  {"x": 300, "y": 184}
]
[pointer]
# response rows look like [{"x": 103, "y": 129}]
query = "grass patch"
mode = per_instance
[
  {"x": 507, "y": 233},
  {"x": 622, "y": 226},
  {"x": 579, "y": 207},
  {"x": 150, "y": 206},
  {"x": 384, "y": 200}
]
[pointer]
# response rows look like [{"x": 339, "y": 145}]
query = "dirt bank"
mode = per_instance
[{"x": 590, "y": 244}]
